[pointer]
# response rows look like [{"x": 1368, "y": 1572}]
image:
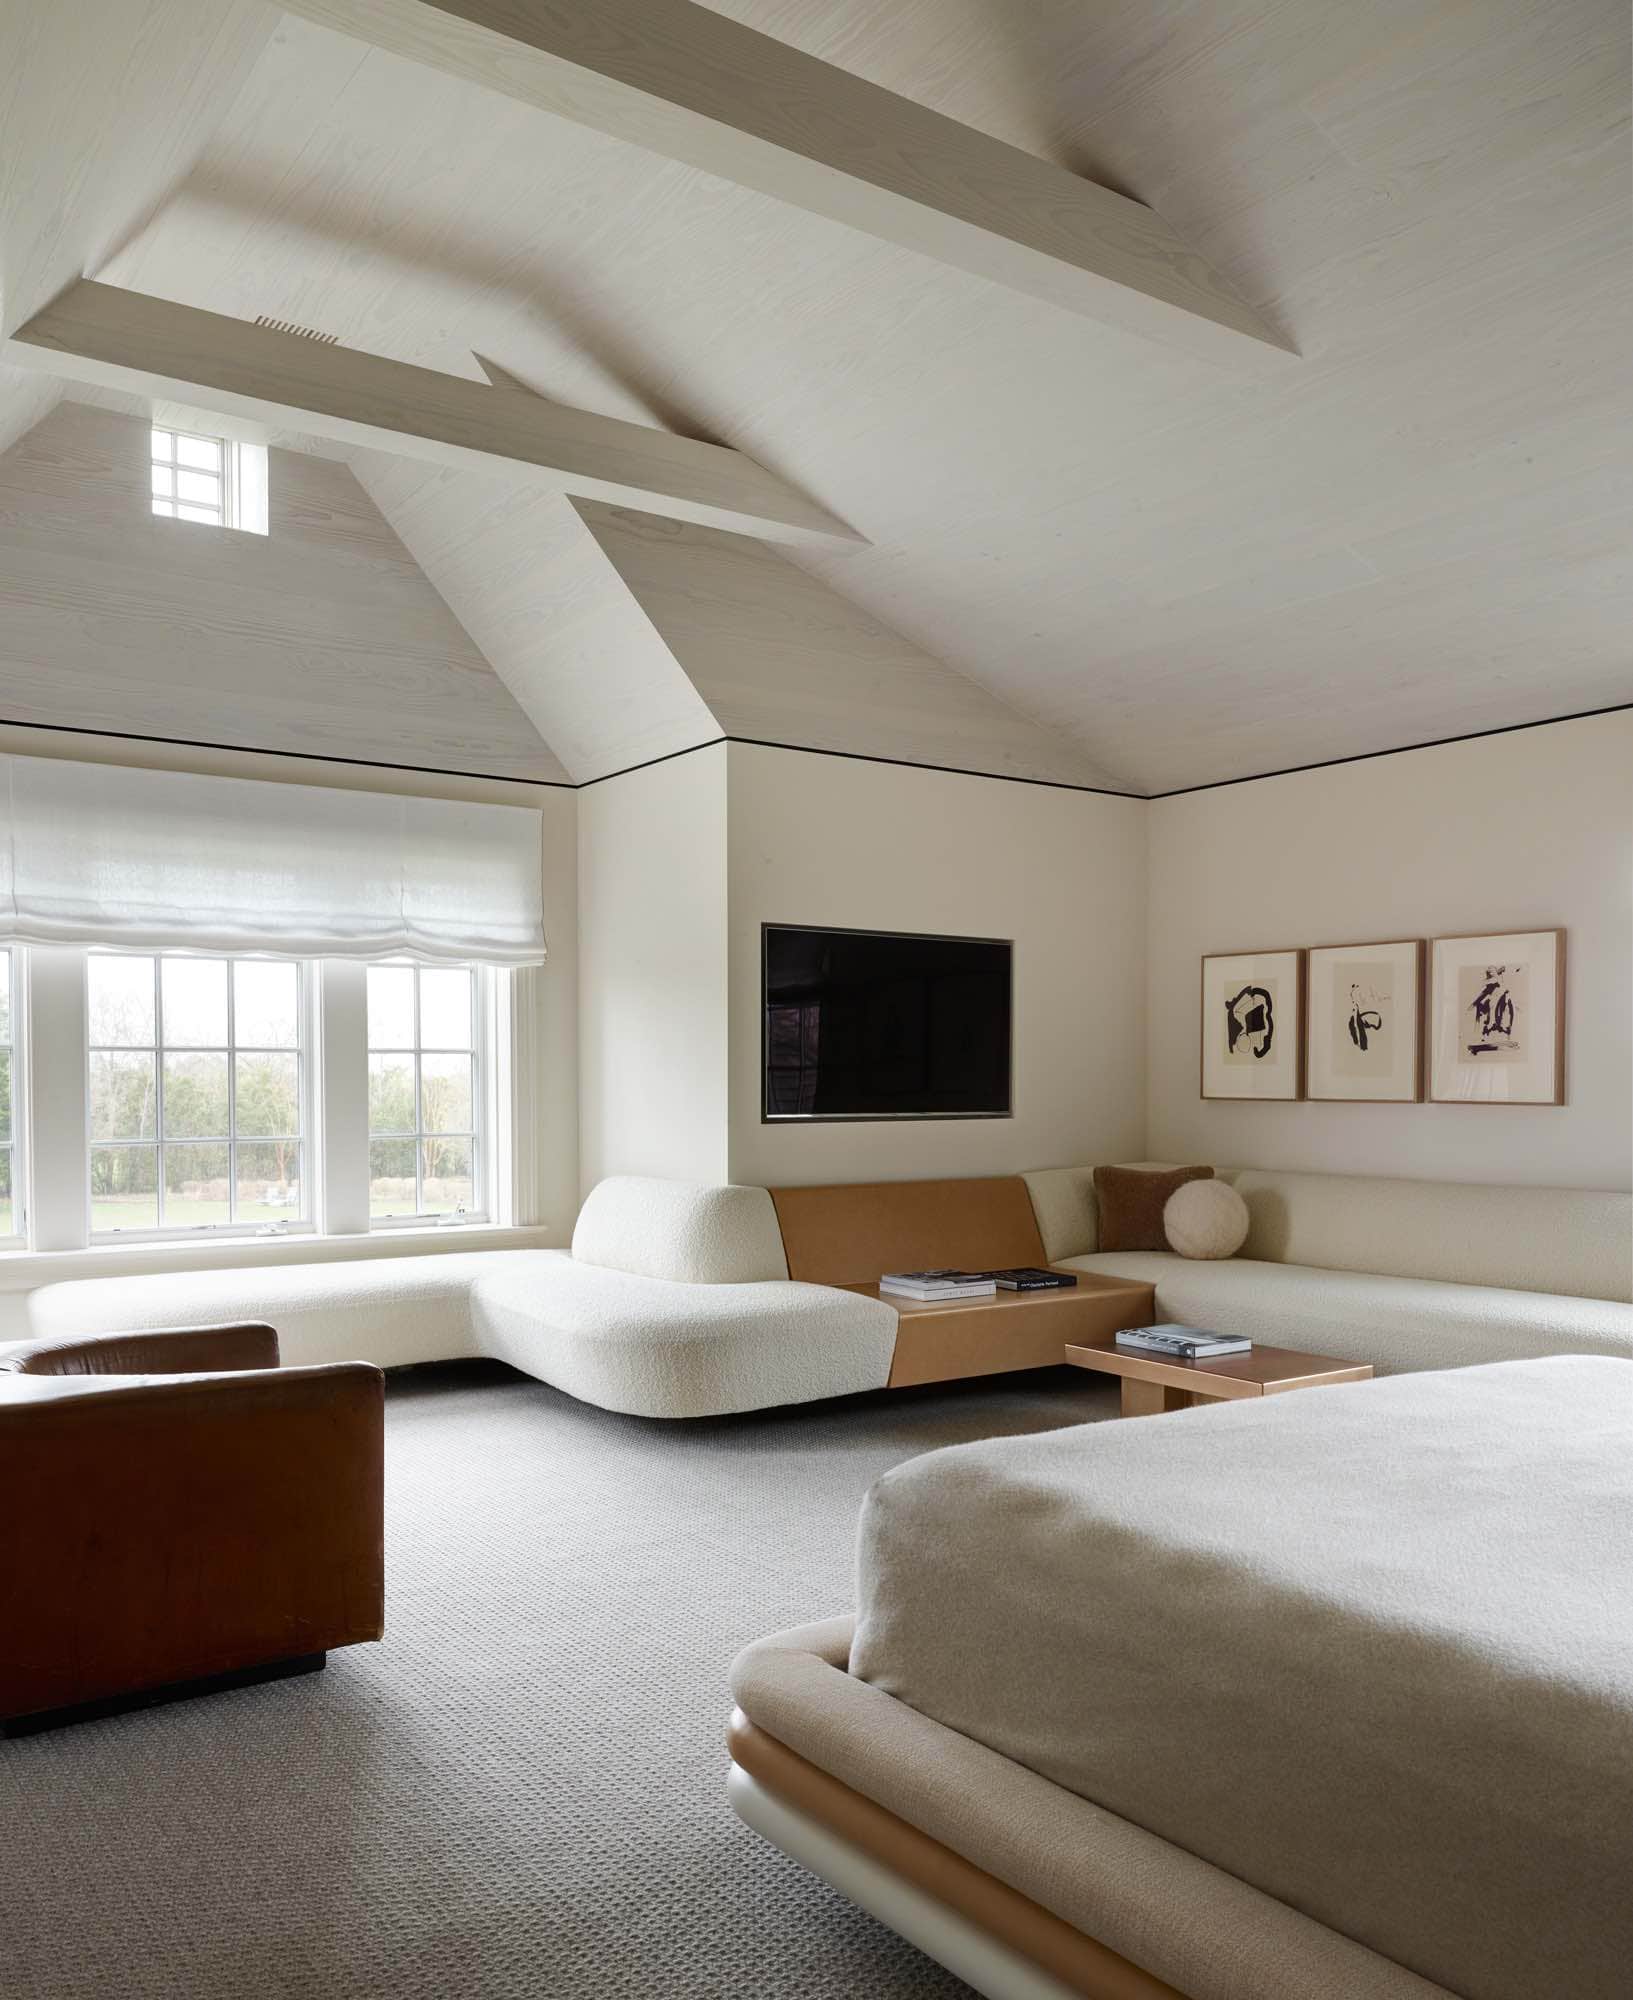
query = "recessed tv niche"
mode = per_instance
[{"x": 884, "y": 1024}]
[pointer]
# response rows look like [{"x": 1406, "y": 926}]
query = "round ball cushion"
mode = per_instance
[{"x": 1205, "y": 1219}]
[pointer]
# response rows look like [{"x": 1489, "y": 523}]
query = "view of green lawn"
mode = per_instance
[
  {"x": 139, "y": 1212},
  {"x": 196, "y": 1090}
]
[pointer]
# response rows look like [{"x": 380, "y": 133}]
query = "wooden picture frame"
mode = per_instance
[
  {"x": 1252, "y": 1026},
  {"x": 1497, "y": 1018},
  {"x": 1363, "y": 1022}
]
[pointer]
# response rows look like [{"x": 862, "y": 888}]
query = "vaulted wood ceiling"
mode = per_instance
[
  {"x": 1169, "y": 569},
  {"x": 322, "y": 638}
]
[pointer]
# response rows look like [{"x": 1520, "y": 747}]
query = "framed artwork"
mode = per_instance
[
  {"x": 1497, "y": 1018},
  {"x": 1363, "y": 1019},
  {"x": 1252, "y": 1035}
]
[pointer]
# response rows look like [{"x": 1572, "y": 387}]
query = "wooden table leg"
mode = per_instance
[{"x": 1152, "y": 1399}]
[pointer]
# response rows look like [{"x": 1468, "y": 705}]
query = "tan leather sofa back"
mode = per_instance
[{"x": 852, "y": 1235}]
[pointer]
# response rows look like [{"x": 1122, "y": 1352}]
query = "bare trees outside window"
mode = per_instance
[{"x": 425, "y": 1092}]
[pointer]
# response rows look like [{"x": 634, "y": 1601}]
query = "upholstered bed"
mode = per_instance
[{"x": 1330, "y": 1694}]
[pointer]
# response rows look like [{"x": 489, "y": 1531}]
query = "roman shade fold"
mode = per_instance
[{"x": 140, "y": 859}]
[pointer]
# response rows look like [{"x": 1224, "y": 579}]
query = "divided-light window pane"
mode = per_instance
[
  {"x": 202, "y": 487},
  {"x": 391, "y": 1006},
  {"x": 445, "y": 1009},
  {"x": 266, "y": 1000},
  {"x": 445, "y": 1094},
  {"x": 196, "y": 1100},
  {"x": 425, "y": 1091},
  {"x": 121, "y": 1002},
  {"x": 9, "y": 1221},
  {"x": 195, "y": 1002},
  {"x": 124, "y": 1188},
  {"x": 190, "y": 478},
  {"x": 124, "y": 1094}
]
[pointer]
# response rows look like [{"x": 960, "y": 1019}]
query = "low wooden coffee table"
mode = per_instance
[{"x": 1152, "y": 1384}]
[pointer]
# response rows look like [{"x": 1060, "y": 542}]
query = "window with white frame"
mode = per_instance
[
  {"x": 426, "y": 1092},
  {"x": 11, "y": 1181},
  {"x": 218, "y": 1095},
  {"x": 196, "y": 1093},
  {"x": 216, "y": 481}
]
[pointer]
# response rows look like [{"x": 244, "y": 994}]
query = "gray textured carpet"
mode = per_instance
[{"x": 520, "y": 1794}]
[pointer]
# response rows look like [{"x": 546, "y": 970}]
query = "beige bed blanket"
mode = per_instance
[{"x": 1368, "y": 1648}]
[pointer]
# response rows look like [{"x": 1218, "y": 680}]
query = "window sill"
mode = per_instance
[{"x": 23, "y": 1270}]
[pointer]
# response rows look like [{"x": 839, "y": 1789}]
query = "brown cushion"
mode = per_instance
[{"x": 1131, "y": 1200}]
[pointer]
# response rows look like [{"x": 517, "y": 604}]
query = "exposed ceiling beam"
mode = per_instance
[
  {"x": 125, "y": 340},
  {"x": 687, "y": 83}
]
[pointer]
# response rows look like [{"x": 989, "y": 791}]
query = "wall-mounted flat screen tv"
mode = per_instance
[{"x": 885, "y": 1024}]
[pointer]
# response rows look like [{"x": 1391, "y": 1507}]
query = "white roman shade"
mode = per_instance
[{"x": 100, "y": 854}]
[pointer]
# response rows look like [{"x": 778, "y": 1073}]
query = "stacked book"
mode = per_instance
[
  {"x": 1030, "y": 1278},
  {"x": 935, "y": 1286},
  {"x": 1182, "y": 1343}
]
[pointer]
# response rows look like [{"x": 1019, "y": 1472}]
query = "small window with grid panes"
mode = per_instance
[{"x": 214, "y": 481}]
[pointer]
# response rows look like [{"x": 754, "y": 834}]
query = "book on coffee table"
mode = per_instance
[
  {"x": 928, "y": 1286},
  {"x": 1182, "y": 1343}
]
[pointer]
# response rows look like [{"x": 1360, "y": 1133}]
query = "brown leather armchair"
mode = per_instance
[{"x": 177, "y": 1510}]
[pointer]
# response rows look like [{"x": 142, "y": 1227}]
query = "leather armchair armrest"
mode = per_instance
[
  {"x": 176, "y": 1350},
  {"x": 164, "y": 1529}
]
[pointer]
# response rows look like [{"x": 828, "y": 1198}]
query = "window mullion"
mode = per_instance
[
  {"x": 18, "y": 1150},
  {"x": 419, "y": 1103},
  {"x": 482, "y": 1119},
  {"x": 158, "y": 1090},
  {"x": 342, "y": 1088},
  {"x": 58, "y": 1081},
  {"x": 232, "y": 1095},
  {"x": 419, "y": 1120}
]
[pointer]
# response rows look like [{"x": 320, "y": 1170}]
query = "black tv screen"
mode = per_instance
[{"x": 883, "y": 1024}]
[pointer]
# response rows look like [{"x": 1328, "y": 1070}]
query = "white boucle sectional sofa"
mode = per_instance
[
  {"x": 675, "y": 1300},
  {"x": 1404, "y": 1274}
]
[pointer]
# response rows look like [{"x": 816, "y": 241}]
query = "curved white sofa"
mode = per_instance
[
  {"x": 674, "y": 1301},
  {"x": 1404, "y": 1274}
]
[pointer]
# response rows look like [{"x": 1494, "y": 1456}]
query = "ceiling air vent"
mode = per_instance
[{"x": 289, "y": 326}]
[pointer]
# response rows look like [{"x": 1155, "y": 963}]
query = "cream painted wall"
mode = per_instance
[
  {"x": 1512, "y": 832},
  {"x": 652, "y": 971},
  {"x": 833, "y": 840},
  {"x": 554, "y": 1025}
]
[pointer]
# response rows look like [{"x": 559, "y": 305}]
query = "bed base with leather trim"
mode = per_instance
[
  {"x": 1026, "y": 1891},
  {"x": 994, "y": 1938}
]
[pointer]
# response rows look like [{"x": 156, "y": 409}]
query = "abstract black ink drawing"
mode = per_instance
[
  {"x": 1250, "y": 1019},
  {"x": 1498, "y": 1007},
  {"x": 1364, "y": 1021},
  {"x": 1493, "y": 1011}
]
